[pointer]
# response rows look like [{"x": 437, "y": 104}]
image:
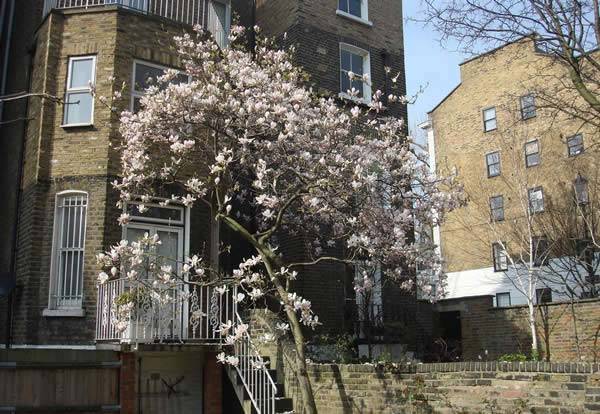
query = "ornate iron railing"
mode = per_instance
[
  {"x": 190, "y": 12},
  {"x": 182, "y": 314}
]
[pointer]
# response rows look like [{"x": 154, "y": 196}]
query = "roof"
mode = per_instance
[
  {"x": 489, "y": 52},
  {"x": 445, "y": 97}
]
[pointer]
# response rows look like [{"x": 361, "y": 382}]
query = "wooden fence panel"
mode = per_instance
[{"x": 59, "y": 388}]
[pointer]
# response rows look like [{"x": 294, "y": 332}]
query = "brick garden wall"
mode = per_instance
[
  {"x": 505, "y": 330},
  {"x": 457, "y": 388}
]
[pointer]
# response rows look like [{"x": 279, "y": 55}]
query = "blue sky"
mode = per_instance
[{"x": 428, "y": 64}]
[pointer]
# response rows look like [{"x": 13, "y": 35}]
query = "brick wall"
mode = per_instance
[
  {"x": 505, "y": 330},
  {"x": 499, "y": 79},
  {"x": 454, "y": 388},
  {"x": 58, "y": 159}
]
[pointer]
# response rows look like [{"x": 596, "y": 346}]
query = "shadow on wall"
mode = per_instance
[{"x": 566, "y": 331}]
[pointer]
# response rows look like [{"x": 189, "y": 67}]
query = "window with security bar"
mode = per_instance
[{"x": 68, "y": 250}]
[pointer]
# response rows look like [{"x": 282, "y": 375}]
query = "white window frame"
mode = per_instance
[
  {"x": 569, "y": 146},
  {"x": 54, "y": 309},
  {"x": 532, "y": 190},
  {"x": 538, "y": 152},
  {"x": 367, "y": 92},
  {"x": 168, "y": 222},
  {"x": 364, "y": 13},
  {"x": 182, "y": 228},
  {"x": 507, "y": 294},
  {"x": 485, "y": 121},
  {"x": 227, "y": 28},
  {"x": 501, "y": 208},
  {"x": 69, "y": 90},
  {"x": 532, "y": 108},
  {"x": 487, "y": 164},
  {"x": 139, "y": 94}
]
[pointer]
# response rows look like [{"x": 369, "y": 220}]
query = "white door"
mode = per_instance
[{"x": 166, "y": 321}]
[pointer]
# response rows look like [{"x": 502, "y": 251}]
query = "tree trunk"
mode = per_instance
[
  {"x": 269, "y": 259},
  {"x": 308, "y": 396},
  {"x": 575, "y": 330},
  {"x": 532, "y": 326}
]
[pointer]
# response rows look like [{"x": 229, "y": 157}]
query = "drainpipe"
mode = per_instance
[
  {"x": 11, "y": 14},
  {"x": 12, "y": 274}
]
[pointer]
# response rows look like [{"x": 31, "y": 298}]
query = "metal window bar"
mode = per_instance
[{"x": 70, "y": 250}]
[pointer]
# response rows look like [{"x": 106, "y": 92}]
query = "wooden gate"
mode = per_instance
[{"x": 49, "y": 381}]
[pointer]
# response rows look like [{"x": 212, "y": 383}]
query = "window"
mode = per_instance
[
  {"x": 144, "y": 74},
  {"x": 500, "y": 258},
  {"x": 68, "y": 246},
  {"x": 536, "y": 199},
  {"x": 79, "y": 102},
  {"x": 356, "y": 9},
  {"x": 492, "y": 161},
  {"x": 543, "y": 295},
  {"x": 489, "y": 119},
  {"x": 528, "y": 107},
  {"x": 532, "y": 153},
  {"x": 575, "y": 145},
  {"x": 541, "y": 251},
  {"x": 357, "y": 61},
  {"x": 167, "y": 222},
  {"x": 497, "y": 208},
  {"x": 503, "y": 299},
  {"x": 219, "y": 21}
]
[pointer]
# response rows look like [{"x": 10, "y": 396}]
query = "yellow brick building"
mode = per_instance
[{"x": 517, "y": 158}]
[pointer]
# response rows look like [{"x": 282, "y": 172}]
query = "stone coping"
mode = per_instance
[{"x": 479, "y": 366}]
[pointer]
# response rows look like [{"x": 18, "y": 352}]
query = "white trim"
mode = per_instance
[
  {"x": 53, "y": 272},
  {"x": 364, "y": 13},
  {"x": 64, "y": 313},
  {"x": 227, "y": 28},
  {"x": 366, "y": 56},
  {"x": 354, "y": 18},
  {"x": 139, "y": 219},
  {"x": 69, "y": 90},
  {"x": 28, "y": 346}
]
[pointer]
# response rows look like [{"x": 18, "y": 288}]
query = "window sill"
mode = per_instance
[
  {"x": 77, "y": 125},
  {"x": 354, "y": 18},
  {"x": 64, "y": 313}
]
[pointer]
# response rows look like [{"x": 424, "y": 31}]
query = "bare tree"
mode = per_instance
[
  {"x": 539, "y": 222},
  {"x": 567, "y": 31}
]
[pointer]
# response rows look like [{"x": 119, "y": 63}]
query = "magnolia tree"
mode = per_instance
[{"x": 244, "y": 131}]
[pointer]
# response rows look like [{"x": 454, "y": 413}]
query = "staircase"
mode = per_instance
[{"x": 255, "y": 384}]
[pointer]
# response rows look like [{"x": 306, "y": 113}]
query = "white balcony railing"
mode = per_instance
[
  {"x": 190, "y": 12},
  {"x": 174, "y": 316}
]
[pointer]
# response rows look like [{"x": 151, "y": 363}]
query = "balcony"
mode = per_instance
[
  {"x": 191, "y": 314},
  {"x": 191, "y": 12}
]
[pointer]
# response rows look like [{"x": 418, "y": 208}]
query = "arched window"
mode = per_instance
[{"x": 68, "y": 247}]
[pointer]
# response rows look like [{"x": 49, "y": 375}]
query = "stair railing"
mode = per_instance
[{"x": 254, "y": 374}]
